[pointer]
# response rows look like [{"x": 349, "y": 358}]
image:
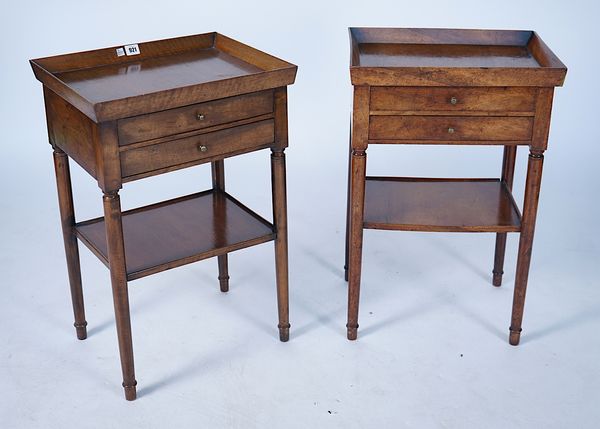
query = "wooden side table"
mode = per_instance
[
  {"x": 456, "y": 87},
  {"x": 134, "y": 111}
]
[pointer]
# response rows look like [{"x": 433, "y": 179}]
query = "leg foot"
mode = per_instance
[
  {"x": 224, "y": 283},
  {"x": 81, "y": 330},
  {"x": 497, "y": 278},
  {"x": 514, "y": 337},
  {"x": 352, "y": 332},
  {"x": 130, "y": 391},
  {"x": 284, "y": 333}
]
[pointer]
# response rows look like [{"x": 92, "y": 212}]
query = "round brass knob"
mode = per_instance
[
  {"x": 450, "y": 130},
  {"x": 453, "y": 100},
  {"x": 199, "y": 116},
  {"x": 202, "y": 148}
]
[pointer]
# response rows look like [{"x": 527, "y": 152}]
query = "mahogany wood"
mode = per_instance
[
  {"x": 67, "y": 218},
  {"x": 178, "y": 103},
  {"x": 519, "y": 100},
  {"x": 166, "y": 74},
  {"x": 115, "y": 250},
  {"x": 184, "y": 230},
  {"x": 508, "y": 171},
  {"x": 279, "y": 186},
  {"x": 449, "y": 128},
  {"x": 194, "y": 117},
  {"x": 218, "y": 182},
  {"x": 198, "y": 148},
  {"x": 457, "y": 87},
  {"x": 530, "y": 205},
  {"x": 440, "y": 57},
  {"x": 442, "y": 205}
]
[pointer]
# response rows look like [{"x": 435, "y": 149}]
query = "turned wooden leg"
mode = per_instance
[
  {"x": 348, "y": 206},
  {"x": 218, "y": 180},
  {"x": 67, "y": 218},
  {"x": 508, "y": 172},
  {"x": 530, "y": 204},
  {"x": 281, "y": 246},
  {"x": 118, "y": 277},
  {"x": 357, "y": 198}
]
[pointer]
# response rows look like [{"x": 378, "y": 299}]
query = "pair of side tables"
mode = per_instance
[{"x": 129, "y": 112}]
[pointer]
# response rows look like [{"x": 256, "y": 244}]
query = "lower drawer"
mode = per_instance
[
  {"x": 450, "y": 128},
  {"x": 186, "y": 150}
]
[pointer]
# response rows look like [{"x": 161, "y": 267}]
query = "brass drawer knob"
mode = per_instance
[
  {"x": 202, "y": 148},
  {"x": 450, "y": 130},
  {"x": 199, "y": 116},
  {"x": 453, "y": 100}
]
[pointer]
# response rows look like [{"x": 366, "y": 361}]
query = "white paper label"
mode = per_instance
[
  {"x": 132, "y": 49},
  {"x": 120, "y": 52}
]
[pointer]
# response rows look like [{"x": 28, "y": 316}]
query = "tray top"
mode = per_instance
[
  {"x": 165, "y": 74},
  {"x": 136, "y": 78},
  {"x": 438, "y": 57}
]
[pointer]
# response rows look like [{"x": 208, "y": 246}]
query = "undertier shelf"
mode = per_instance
[
  {"x": 440, "y": 205},
  {"x": 179, "y": 231}
]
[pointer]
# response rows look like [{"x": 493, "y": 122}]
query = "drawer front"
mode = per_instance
[
  {"x": 194, "y": 117},
  {"x": 196, "y": 148},
  {"x": 501, "y": 99},
  {"x": 450, "y": 128}
]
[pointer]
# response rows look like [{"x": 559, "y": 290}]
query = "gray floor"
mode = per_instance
[{"x": 432, "y": 349}]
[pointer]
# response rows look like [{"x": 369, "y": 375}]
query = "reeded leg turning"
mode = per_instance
[
  {"x": 508, "y": 171},
  {"x": 530, "y": 205},
  {"x": 281, "y": 246},
  {"x": 218, "y": 180},
  {"x": 67, "y": 217},
  {"x": 118, "y": 276},
  {"x": 357, "y": 197}
]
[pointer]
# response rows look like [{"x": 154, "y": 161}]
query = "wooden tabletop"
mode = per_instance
[
  {"x": 444, "y": 57},
  {"x": 106, "y": 84}
]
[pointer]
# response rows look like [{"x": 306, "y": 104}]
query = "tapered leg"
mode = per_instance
[
  {"x": 67, "y": 217},
  {"x": 348, "y": 205},
  {"x": 508, "y": 172},
  {"x": 281, "y": 246},
  {"x": 218, "y": 180},
  {"x": 357, "y": 197},
  {"x": 118, "y": 277},
  {"x": 530, "y": 204}
]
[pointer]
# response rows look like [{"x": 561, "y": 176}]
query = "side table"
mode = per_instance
[
  {"x": 129, "y": 112},
  {"x": 454, "y": 87}
]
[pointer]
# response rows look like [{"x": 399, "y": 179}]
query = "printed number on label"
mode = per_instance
[{"x": 132, "y": 49}]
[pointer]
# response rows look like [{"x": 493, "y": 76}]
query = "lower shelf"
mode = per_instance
[
  {"x": 180, "y": 231},
  {"x": 442, "y": 205}
]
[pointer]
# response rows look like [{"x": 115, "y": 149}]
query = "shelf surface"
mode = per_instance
[
  {"x": 442, "y": 205},
  {"x": 180, "y": 231}
]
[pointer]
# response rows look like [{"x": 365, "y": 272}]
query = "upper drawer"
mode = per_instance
[
  {"x": 449, "y": 128},
  {"x": 501, "y": 99},
  {"x": 194, "y": 117}
]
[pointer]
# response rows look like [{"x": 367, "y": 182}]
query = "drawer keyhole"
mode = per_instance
[
  {"x": 199, "y": 116},
  {"x": 453, "y": 100},
  {"x": 202, "y": 148},
  {"x": 450, "y": 130}
]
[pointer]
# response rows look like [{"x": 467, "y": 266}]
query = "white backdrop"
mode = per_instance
[{"x": 432, "y": 348}]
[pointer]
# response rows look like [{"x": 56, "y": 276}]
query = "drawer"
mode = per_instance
[
  {"x": 483, "y": 128},
  {"x": 194, "y": 117},
  {"x": 196, "y": 148},
  {"x": 500, "y": 99}
]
